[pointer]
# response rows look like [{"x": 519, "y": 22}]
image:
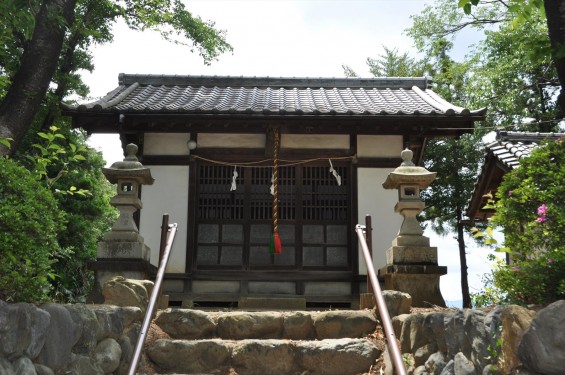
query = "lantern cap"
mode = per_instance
[
  {"x": 409, "y": 173},
  {"x": 129, "y": 168}
]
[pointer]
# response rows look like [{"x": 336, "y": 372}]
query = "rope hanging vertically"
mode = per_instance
[{"x": 275, "y": 246}]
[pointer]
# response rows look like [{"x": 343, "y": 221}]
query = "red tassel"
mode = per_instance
[
  {"x": 275, "y": 246},
  {"x": 277, "y": 243}
]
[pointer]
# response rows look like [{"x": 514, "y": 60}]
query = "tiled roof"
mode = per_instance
[
  {"x": 507, "y": 149},
  {"x": 510, "y": 147},
  {"x": 274, "y": 96}
]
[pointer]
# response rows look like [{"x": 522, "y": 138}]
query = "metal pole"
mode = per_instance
[
  {"x": 381, "y": 304},
  {"x": 369, "y": 238},
  {"x": 153, "y": 300},
  {"x": 164, "y": 237}
]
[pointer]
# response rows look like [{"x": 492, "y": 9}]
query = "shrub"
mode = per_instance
[
  {"x": 89, "y": 217},
  {"x": 29, "y": 224},
  {"x": 530, "y": 209}
]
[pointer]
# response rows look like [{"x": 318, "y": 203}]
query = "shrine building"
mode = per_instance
[{"x": 212, "y": 145}]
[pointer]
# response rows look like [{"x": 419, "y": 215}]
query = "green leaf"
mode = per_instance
[
  {"x": 503, "y": 250},
  {"x": 43, "y": 135},
  {"x": 54, "y": 146},
  {"x": 489, "y": 231},
  {"x": 515, "y": 8},
  {"x": 462, "y": 3},
  {"x": 490, "y": 241},
  {"x": 467, "y": 8},
  {"x": 6, "y": 141},
  {"x": 79, "y": 157}
]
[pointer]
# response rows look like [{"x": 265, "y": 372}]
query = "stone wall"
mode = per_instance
[
  {"x": 504, "y": 340},
  {"x": 98, "y": 339},
  {"x": 66, "y": 339}
]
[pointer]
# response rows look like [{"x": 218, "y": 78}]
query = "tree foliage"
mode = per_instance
[
  {"x": 455, "y": 160},
  {"x": 29, "y": 223},
  {"x": 44, "y": 45},
  {"x": 390, "y": 64},
  {"x": 522, "y": 13},
  {"x": 74, "y": 173},
  {"x": 530, "y": 209},
  {"x": 69, "y": 178},
  {"x": 514, "y": 75},
  {"x": 510, "y": 70},
  {"x": 88, "y": 218},
  {"x": 33, "y": 60}
]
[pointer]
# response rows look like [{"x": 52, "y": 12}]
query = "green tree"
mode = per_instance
[
  {"x": 514, "y": 75},
  {"x": 88, "y": 218},
  {"x": 456, "y": 164},
  {"x": 390, "y": 64},
  {"x": 47, "y": 41},
  {"x": 509, "y": 70},
  {"x": 44, "y": 44},
  {"x": 455, "y": 160},
  {"x": 522, "y": 12},
  {"x": 29, "y": 223},
  {"x": 74, "y": 174},
  {"x": 530, "y": 209}
]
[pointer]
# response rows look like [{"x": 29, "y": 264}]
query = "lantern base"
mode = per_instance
[
  {"x": 420, "y": 281},
  {"x": 123, "y": 245},
  {"x": 404, "y": 255}
]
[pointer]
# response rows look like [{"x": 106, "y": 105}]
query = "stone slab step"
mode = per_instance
[
  {"x": 240, "y": 325},
  {"x": 261, "y": 357},
  {"x": 270, "y": 303}
]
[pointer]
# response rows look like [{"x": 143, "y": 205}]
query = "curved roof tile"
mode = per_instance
[{"x": 282, "y": 96}]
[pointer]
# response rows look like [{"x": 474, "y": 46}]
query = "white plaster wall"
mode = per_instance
[
  {"x": 165, "y": 143},
  {"x": 231, "y": 140},
  {"x": 168, "y": 194},
  {"x": 378, "y": 202},
  {"x": 379, "y": 146},
  {"x": 314, "y": 141}
]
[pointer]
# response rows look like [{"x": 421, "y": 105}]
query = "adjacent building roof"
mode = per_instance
[
  {"x": 274, "y": 96},
  {"x": 501, "y": 156}
]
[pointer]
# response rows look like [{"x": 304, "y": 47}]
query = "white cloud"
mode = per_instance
[{"x": 270, "y": 38}]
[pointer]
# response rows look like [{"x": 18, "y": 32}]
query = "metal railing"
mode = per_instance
[
  {"x": 381, "y": 305},
  {"x": 167, "y": 237}
]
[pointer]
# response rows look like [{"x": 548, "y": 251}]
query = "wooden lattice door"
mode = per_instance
[{"x": 233, "y": 228}]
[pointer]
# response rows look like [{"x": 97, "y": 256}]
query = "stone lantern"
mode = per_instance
[
  {"x": 122, "y": 252},
  {"x": 128, "y": 175},
  {"x": 412, "y": 265}
]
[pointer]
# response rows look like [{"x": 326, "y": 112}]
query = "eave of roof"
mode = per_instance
[
  {"x": 505, "y": 153},
  {"x": 189, "y": 95}
]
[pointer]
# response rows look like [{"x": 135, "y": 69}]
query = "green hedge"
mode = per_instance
[{"x": 29, "y": 224}]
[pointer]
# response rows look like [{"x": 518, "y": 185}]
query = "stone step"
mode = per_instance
[
  {"x": 271, "y": 303},
  {"x": 190, "y": 324},
  {"x": 345, "y": 356}
]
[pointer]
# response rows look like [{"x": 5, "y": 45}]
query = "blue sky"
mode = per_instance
[{"x": 281, "y": 38}]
